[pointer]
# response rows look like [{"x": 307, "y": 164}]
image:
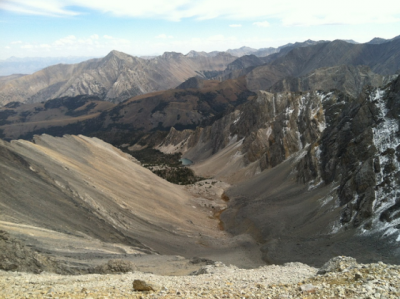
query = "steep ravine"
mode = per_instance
[{"x": 316, "y": 172}]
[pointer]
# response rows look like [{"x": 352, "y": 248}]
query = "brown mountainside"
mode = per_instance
[
  {"x": 381, "y": 58},
  {"x": 80, "y": 199},
  {"x": 346, "y": 78},
  {"x": 315, "y": 172},
  {"x": 116, "y": 77},
  {"x": 181, "y": 108}
]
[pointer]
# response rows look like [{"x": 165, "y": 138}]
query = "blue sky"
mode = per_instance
[{"x": 52, "y": 28}]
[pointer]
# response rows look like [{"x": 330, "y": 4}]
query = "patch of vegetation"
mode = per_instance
[
  {"x": 23, "y": 115},
  {"x": 13, "y": 105},
  {"x": 152, "y": 139},
  {"x": 81, "y": 112},
  {"x": 160, "y": 107},
  {"x": 6, "y": 114},
  {"x": 166, "y": 166},
  {"x": 72, "y": 103},
  {"x": 178, "y": 175},
  {"x": 115, "y": 114},
  {"x": 152, "y": 157},
  {"x": 244, "y": 96}
]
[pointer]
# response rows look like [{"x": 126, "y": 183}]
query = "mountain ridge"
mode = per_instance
[
  {"x": 382, "y": 59},
  {"x": 320, "y": 166},
  {"x": 115, "y": 77}
]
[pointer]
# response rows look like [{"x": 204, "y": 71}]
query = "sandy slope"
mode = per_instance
[{"x": 57, "y": 191}]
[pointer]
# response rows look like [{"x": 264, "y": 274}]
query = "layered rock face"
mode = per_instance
[
  {"x": 346, "y": 78},
  {"x": 116, "y": 77},
  {"x": 381, "y": 58},
  {"x": 360, "y": 150},
  {"x": 335, "y": 157},
  {"x": 265, "y": 131}
]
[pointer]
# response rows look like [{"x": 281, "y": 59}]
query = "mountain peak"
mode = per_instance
[
  {"x": 115, "y": 53},
  {"x": 192, "y": 83},
  {"x": 169, "y": 55}
]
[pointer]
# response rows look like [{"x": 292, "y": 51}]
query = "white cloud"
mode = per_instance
[
  {"x": 16, "y": 42},
  {"x": 93, "y": 45},
  {"x": 261, "y": 24},
  {"x": 235, "y": 25},
  {"x": 69, "y": 40},
  {"x": 27, "y": 46},
  {"x": 164, "y": 36},
  {"x": 37, "y": 7},
  {"x": 107, "y": 37},
  {"x": 288, "y": 12}
]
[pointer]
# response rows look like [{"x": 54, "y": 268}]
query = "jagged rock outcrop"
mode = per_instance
[
  {"x": 263, "y": 132},
  {"x": 381, "y": 58},
  {"x": 16, "y": 256},
  {"x": 332, "y": 156},
  {"x": 116, "y": 77},
  {"x": 346, "y": 78}
]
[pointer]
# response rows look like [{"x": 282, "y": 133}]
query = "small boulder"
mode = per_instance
[
  {"x": 308, "y": 288},
  {"x": 115, "y": 266},
  {"x": 200, "y": 260},
  {"x": 142, "y": 286},
  {"x": 338, "y": 264}
]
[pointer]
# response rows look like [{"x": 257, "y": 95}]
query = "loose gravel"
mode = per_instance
[{"x": 345, "y": 279}]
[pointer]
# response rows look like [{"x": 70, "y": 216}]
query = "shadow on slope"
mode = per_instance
[{"x": 295, "y": 223}]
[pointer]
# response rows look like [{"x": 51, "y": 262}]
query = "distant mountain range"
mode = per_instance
[
  {"x": 382, "y": 58},
  {"x": 195, "y": 102},
  {"x": 307, "y": 138},
  {"x": 116, "y": 77},
  {"x": 119, "y": 76},
  {"x": 29, "y": 65}
]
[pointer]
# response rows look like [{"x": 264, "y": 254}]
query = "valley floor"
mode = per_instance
[{"x": 344, "y": 279}]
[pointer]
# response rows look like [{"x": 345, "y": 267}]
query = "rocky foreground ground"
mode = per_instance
[{"x": 341, "y": 277}]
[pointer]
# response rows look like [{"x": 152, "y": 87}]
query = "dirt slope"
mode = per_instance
[{"x": 80, "y": 197}]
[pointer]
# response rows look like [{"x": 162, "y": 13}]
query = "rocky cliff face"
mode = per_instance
[
  {"x": 116, "y": 77},
  {"x": 346, "y": 78},
  {"x": 265, "y": 131},
  {"x": 341, "y": 151},
  {"x": 359, "y": 151},
  {"x": 381, "y": 58}
]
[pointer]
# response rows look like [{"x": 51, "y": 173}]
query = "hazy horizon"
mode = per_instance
[{"x": 33, "y": 28}]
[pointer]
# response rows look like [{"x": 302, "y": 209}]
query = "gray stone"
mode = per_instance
[
  {"x": 142, "y": 286},
  {"x": 338, "y": 264}
]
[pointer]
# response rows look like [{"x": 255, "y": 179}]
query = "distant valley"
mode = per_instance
[{"x": 296, "y": 148}]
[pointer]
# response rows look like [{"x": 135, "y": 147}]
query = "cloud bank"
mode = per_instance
[{"x": 288, "y": 12}]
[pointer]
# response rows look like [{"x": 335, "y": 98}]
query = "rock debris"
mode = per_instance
[{"x": 293, "y": 280}]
